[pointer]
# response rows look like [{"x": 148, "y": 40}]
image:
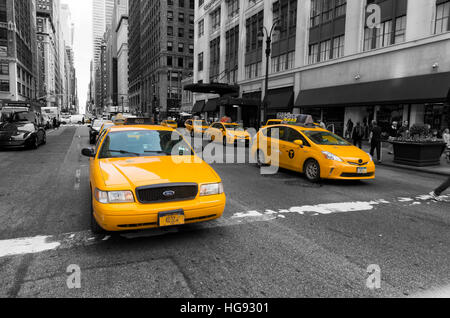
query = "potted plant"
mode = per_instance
[{"x": 418, "y": 147}]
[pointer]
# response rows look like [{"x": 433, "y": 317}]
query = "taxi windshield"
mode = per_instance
[
  {"x": 200, "y": 123},
  {"x": 325, "y": 138},
  {"x": 149, "y": 143},
  {"x": 235, "y": 127},
  {"x": 171, "y": 122}
]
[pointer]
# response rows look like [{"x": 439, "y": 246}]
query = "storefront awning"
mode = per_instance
[
  {"x": 198, "y": 107},
  {"x": 280, "y": 99},
  {"x": 432, "y": 88},
  {"x": 230, "y": 101},
  {"x": 213, "y": 88},
  {"x": 212, "y": 105}
]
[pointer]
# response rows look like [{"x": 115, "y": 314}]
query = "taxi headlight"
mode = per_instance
[
  {"x": 211, "y": 189},
  {"x": 330, "y": 156},
  {"x": 114, "y": 197}
]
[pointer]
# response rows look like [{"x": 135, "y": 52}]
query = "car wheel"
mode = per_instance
[
  {"x": 95, "y": 228},
  {"x": 34, "y": 143},
  {"x": 44, "y": 139},
  {"x": 261, "y": 159},
  {"x": 312, "y": 170}
]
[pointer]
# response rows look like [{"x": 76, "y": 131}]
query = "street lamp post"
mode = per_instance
[
  {"x": 123, "y": 107},
  {"x": 263, "y": 33}
]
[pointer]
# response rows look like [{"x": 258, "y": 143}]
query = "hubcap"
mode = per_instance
[{"x": 312, "y": 170}]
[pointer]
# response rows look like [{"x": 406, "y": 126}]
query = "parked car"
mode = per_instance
[{"x": 20, "y": 131}]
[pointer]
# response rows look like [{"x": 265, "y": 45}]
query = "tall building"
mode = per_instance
[
  {"x": 121, "y": 28},
  {"x": 101, "y": 17},
  {"x": 161, "y": 48},
  {"x": 330, "y": 59},
  {"x": 134, "y": 56},
  {"x": 18, "y": 51}
]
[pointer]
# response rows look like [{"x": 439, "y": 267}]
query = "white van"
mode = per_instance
[{"x": 76, "y": 119}]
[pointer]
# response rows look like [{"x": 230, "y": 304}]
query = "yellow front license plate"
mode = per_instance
[{"x": 171, "y": 218}]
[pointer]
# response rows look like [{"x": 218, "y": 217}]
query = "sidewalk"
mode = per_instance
[{"x": 388, "y": 161}]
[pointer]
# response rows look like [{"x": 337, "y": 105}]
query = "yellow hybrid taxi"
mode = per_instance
[
  {"x": 146, "y": 176},
  {"x": 170, "y": 123},
  {"x": 228, "y": 133},
  {"x": 196, "y": 127},
  {"x": 304, "y": 147},
  {"x": 272, "y": 122}
]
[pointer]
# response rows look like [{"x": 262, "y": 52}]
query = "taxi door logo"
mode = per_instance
[{"x": 291, "y": 154}]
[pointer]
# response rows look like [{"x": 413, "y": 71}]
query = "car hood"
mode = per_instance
[
  {"x": 348, "y": 153},
  {"x": 146, "y": 171},
  {"x": 8, "y": 130}
]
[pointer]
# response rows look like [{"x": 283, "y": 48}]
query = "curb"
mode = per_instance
[{"x": 417, "y": 169}]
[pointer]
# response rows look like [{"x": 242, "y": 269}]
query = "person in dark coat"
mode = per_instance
[
  {"x": 54, "y": 123},
  {"x": 358, "y": 135},
  {"x": 375, "y": 140}
]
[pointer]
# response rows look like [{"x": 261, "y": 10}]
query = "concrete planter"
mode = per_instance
[{"x": 418, "y": 154}]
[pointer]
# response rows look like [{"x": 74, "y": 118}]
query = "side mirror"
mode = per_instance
[
  {"x": 89, "y": 126},
  {"x": 299, "y": 143},
  {"x": 88, "y": 152}
]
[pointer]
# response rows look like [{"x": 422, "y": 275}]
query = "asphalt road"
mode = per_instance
[{"x": 280, "y": 236}]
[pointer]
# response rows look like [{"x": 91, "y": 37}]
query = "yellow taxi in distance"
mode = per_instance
[
  {"x": 316, "y": 152},
  {"x": 196, "y": 127},
  {"x": 106, "y": 124},
  {"x": 228, "y": 133},
  {"x": 272, "y": 122},
  {"x": 145, "y": 177},
  {"x": 169, "y": 123}
]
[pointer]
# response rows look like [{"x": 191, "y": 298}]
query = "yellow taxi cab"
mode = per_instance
[
  {"x": 228, "y": 133},
  {"x": 148, "y": 176},
  {"x": 106, "y": 124},
  {"x": 272, "y": 122},
  {"x": 303, "y": 146},
  {"x": 196, "y": 127},
  {"x": 169, "y": 123}
]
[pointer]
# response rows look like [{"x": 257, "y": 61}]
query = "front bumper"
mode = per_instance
[
  {"x": 345, "y": 171},
  {"x": 13, "y": 143},
  {"x": 136, "y": 216}
]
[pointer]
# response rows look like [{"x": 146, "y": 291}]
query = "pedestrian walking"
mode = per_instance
[
  {"x": 375, "y": 141},
  {"x": 358, "y": 135},
  {"x": 54, "y": 123},
  {"x": 350, "y": 126},
  {"x": 393, "y": 133},
  {"x": 446, "y": 137},
  {"x": 437, "y": 194}
]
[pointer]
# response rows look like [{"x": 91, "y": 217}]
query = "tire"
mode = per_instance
[
  {"x": 261, "y": 158},
  {"x": 312, "y": 170},
  {"x": 44, "y": 139},
  {"x": 34, "y": 143},
  {"x": 95, "y": 228}
]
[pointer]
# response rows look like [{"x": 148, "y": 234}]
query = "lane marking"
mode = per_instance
[
  {"x": 39, "y": 244},
  {"x": 77, "y": 179},
  {"x": 31, "y": 245}
]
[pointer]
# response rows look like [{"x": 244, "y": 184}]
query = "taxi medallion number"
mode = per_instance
[{"x": 171, "y": 218}]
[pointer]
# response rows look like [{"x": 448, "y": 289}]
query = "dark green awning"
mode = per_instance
[
  {"x": 432, "y": 88},
  {"x": 212, "y": 105},
  {"x": 280, "y": 99},
  {"x": 198, "y": 107}
]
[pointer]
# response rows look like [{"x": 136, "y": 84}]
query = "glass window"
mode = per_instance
[
  {"x": 442, "y": 17},
  {"x": 326, "y": 138},
  {"x": 148, "y": 143}
]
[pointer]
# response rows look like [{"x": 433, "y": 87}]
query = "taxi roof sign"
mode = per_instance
[
  {"x": 292, "y": 119},
  {"x": 139, "y": 121}
]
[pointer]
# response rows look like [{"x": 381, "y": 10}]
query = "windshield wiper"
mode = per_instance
[
  {"x": 126, "y": 152},
  {"x": 157, "y": 152}
]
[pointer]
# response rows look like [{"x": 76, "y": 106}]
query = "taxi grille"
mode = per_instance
[
  {"x": 357, "y": 175},
  {"x": 167, "y": 193}
]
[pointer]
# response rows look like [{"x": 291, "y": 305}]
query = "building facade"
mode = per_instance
[
  {"x": 18, "y": 51},
  {"x": 165, "y": 36},
  {"x": 337, "y": 60},
  {"x": 121, "y": 30}
]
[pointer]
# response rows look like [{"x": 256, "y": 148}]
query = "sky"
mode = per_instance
[{"x": 81, "y": 11}]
